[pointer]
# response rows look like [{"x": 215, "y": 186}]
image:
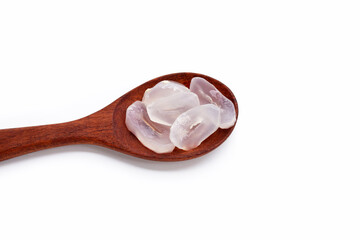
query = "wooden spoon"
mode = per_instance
[{"x": 107, "y": 128}]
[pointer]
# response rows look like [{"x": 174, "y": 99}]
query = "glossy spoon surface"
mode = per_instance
[{"x": 107, "y": 128}]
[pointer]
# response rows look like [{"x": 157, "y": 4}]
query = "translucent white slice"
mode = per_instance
[
  {"x": 208, "y": 93},
  {"x": 163, "y": 89},
  {"x": 165, "y": 110},
  {"x": 152, "y": 135},
  {"x": 194, "y": 126}
]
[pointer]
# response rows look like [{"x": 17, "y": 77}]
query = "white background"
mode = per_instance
[{"x": 290, "y": 170}]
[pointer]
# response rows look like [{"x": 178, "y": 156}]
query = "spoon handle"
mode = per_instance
[{"x": 19, "y": 141}]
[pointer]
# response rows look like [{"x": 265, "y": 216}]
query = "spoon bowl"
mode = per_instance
[{"x": 107, "y": 128}]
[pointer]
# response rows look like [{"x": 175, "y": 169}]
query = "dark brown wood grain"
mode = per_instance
[{"x": 107, "y": 128}]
